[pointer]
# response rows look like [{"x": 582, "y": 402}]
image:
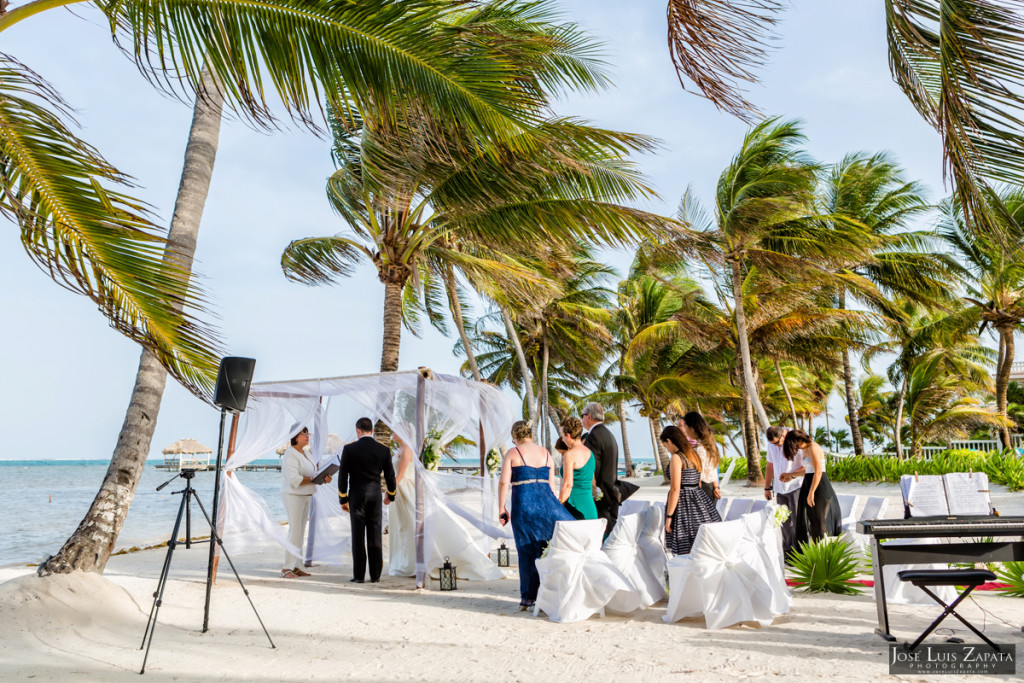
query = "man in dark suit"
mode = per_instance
[
  {"x": 362, "y": 463},
  {"x": 606, "y": 462}
]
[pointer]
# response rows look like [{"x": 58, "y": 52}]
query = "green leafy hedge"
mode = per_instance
[{"x": 1002, "y": 467}]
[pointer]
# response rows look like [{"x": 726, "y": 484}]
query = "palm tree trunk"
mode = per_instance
[
  {"x": 524, "y": 367},
  {"x": 392, "y": 341},
  {"x": 1003, "y": 379},
  {"x": 785, "y": 388},
  {"x": 546, "y": 358},
  {"x": 660, "y": 452},
  {"x": 752, "y": 444},
  {"x": 460, "y": 325},
  {"x": 630, "y": 470},
  {"x": 89, "y": 548},
  {"x": 749, "y": 386},
  {"x": 851, "y": 406},
  {"x": 898, "y": 430}
]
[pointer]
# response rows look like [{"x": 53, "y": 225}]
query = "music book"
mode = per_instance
[
  {"x": 956, "y": 493},
  {"x": 328, "y": 471}
]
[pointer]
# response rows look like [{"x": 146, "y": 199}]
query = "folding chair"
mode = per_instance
[
  {"x": 847, "y": 504},
  {"x": 969, "y": 578},
  {"x": 757, "y": 506},
  {"x": 739, "y": 507},
  {"x": 728, "y": 475}
]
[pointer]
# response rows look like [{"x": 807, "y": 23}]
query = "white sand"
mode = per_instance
[{"x": 88, "y": 627}]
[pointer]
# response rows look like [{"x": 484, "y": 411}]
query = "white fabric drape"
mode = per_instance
[{"x": 450, "y": 406}]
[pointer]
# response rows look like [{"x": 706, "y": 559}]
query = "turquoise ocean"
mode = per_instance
[{"x": 42, "y": 502}]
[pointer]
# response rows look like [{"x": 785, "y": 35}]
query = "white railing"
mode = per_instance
[
  {"x": 982, "y": 445},
  {"x": 1017, "y": 370}
]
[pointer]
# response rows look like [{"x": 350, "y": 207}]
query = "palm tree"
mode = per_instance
[
  {"x": 940, "y": 405},
  {"x": 765, "y": 219},
  {"x": 875, "y": 412},
  {"x": 995, "y": 290},
  {"x": 78, "y": 222},
  {"x": 872, "y": 191},
  {"x": 469, "y": 208},
  {"x": 960, "y": 64}
]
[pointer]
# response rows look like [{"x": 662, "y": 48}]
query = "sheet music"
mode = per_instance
[
  {"x": 967, "y": 493},
  {"x": 925, "y": 493}
]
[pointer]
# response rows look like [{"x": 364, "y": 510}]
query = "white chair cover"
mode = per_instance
[
  {"x": 761, "y": 526},
  {"x": 652, "y": 541},
  {"x": 576, "y": 578},
  {"x": 720, "y": 579},
  {"x": 728, "y": 474},
  {"x": 633, "y": 507},
  {"x": 905, "y": 593},
  {"x": 739, "y": 507},
  {"x": 758, "y": 505},
  {"x": 623, "y": 549},
  {"x": 847, "y": 508}
]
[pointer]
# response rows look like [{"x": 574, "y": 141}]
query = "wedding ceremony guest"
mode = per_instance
[
  {"x": 818, "y": 513},
  {"x": 577, "y": 491},
  {"x": 362, "y": 463},
  {"x": 297, "y": 473},
  {"x": 702, "y": 439},
  {"x": 606, "y": 462},
  {"x": 780, "y": 479},
  {"x": 527, "y": 471},
  {"x": 688, "y": 506}
]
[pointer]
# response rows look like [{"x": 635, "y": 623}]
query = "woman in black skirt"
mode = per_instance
[
  {"x": 688, "y": 506},
  {"x": 817, "y": 511}
]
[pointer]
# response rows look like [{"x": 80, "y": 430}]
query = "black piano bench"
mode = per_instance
[{"x": 970, "y": 578}]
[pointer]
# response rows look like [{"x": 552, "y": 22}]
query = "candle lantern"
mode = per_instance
[
  {"x": 448, "y": 577},
  {"x": 503, "y": 555}
]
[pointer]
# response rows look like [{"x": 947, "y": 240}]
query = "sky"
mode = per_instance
[{"x": 68, "y": 376}]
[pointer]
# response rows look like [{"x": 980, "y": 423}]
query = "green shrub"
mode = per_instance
[
  {"x": 825, "y": 566},
  {"x": 1012, "y": 573},
  {"x": 1002, "y": 467}
]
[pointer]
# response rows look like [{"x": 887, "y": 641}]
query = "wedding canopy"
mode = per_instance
[{"x": 413, "y": 404}]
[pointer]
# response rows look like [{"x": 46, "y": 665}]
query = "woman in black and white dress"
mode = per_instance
[
  {"x": 688, "y": 506},
  {"x": 818, "y": 513}
]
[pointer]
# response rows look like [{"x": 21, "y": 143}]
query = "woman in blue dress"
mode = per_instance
[{"x": 527, "y": 471}]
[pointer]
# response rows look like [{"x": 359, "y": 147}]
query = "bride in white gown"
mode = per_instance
[{"x": 450, "y": 537}]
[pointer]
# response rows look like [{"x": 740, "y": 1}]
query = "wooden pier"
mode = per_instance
[{"x": 252, "y": 467}]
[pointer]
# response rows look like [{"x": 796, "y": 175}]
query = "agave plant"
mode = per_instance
[
  {"x": 826, "y": 566},
  {"x": 1012, "y": 574}
]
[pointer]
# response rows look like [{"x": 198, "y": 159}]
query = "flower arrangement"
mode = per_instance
[
  {"x": 780, "y": 515},
  {"x": 493, "y": 461},
  {"x": 432, "y": 448}
]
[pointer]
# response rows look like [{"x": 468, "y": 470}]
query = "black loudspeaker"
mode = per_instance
[{"x": 233, "y": 379}]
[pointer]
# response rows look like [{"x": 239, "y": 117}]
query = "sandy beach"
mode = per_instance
[{"x": 88, "y": 627}]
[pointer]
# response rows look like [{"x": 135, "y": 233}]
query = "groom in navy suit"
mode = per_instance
[{"x": 362, "y": 463}]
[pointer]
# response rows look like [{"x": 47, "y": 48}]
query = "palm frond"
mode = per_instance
[
  {"x": 719, "y": 45},
  {"x": 80, "y": 226}
]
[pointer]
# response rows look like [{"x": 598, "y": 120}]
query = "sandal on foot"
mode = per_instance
[
  {"x": 299, "y": 572},
  {"x": 288, "y": 574}
]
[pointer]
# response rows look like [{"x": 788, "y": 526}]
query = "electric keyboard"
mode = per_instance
[{"x": 965, "y": 544}]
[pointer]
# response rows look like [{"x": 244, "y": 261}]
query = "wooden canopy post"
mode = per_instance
[{"x": 421, "y": 435}]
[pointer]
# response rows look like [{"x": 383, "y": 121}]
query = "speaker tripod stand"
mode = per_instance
[{"x": 185, "y": 511}]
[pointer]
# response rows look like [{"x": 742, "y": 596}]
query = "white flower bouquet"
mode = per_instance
[
  {"x": 779, "y": 515},
  {"x": 493, "y": 461},
  {"x": 432, "y": 448}
]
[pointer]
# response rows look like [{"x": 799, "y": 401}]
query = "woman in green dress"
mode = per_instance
[{"x": 577, "y": 492}]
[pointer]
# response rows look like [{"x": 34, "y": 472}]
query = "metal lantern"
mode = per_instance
[
  {"x": 503, "y": 555},
  {"x": 447, "y": 573}
]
